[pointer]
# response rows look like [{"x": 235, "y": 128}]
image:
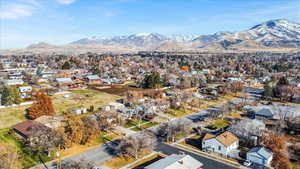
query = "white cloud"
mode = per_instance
[
  {"x": 15, "y": 11},
  {"x": 65, "y": 1}
]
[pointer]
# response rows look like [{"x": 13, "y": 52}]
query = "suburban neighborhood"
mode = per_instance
[{"x": 150, "y": 110}]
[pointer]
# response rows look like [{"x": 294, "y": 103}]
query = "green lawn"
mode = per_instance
[
  {"x": 27, "y": 158},
  {"x": 220, "y": 123},
  {"x": 11, "y": 116},
  {"x": 133, "y": 123},
  {"x": 178, "y": 112},
  {"x": 145, "y": 126}
]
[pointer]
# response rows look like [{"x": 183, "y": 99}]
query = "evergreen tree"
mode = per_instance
[
  {"x": 268, "y": 90},
  {"x": 152, "y": 81},
  {"x": 66, "y": 65},
  {"x": 7, "y": 97}
]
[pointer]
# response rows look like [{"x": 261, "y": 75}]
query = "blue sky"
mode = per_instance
[{"x": 23, "y": 22}]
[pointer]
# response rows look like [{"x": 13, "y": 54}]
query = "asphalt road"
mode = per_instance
[
  {"x": 99, "y": 154},
  {"x": 207, "y": 162}
]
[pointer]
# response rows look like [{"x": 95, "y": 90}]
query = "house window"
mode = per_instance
[{"x": 219, "y": 148}]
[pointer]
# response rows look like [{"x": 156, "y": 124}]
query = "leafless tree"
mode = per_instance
[
  {"x": 80, "y": 164},
  {"x": 171, "y": 130},
  {"x": 134, "y": 145},
  {"x": 247, "y": 130}
]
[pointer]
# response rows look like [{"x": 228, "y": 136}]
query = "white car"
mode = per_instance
[{"x": 247, "y": 163}]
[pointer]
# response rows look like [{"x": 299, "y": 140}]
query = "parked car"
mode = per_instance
[{"x": 247, "y": 163}]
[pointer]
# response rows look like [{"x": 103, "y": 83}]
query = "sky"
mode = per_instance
[{"x": 23, "y": 22}]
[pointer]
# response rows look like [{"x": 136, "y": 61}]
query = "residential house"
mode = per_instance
[
  {"x": 225, "y": 143},
  {"x": 93, "y": 79},
  {"x": 64, "y": 82},
  {"x": 25, "y": 91},
  {"x": 176, "y": 161},
  {"x": 13, "y": 82},
  {"x": 78, "y": 111},
  {"x": 26, "y": 129},
  {"x": 260, "y": 155},
  {"x": 263, "y": 113}
]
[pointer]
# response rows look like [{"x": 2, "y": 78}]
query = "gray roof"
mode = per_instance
[
  {"x": 265, "y": 112},
  {"x": 261, "y": 151},
  {"x": 64, "y": 80},
  {"x": 93, "y": 77},
  {"x": 176, "y": 161}
]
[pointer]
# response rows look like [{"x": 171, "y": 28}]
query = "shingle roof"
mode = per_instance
[
  {"x": 265, "y": 112},
  {"x": 26, "y": 128},
  {"x": 93, "y": 77},
  {"x": 261, "y": 151},
  {"x": 226, "y": 138}
]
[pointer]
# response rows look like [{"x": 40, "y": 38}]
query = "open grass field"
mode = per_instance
[
  {"x": 82, "y": 98},
  {"x": 79, "y": 98},
  {"x": 11, "y": 116},
  {"x": 26, "y": 157}
]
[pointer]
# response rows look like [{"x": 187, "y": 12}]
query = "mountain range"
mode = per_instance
[{"x": 278, "y": 33}]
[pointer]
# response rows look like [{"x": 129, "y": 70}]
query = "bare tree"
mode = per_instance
[
  {"x": 171, "y": 130},
  {"x": 248, "y": 130},
  {"x": 45, "y": 140},
  {"x": 134, "y": 145},
  {"x": 72, "y": 164}
]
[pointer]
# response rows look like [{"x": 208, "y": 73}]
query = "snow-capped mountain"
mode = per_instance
[
  {"x": 148, "y": 40},
  {"x": 273, "y": 33}
]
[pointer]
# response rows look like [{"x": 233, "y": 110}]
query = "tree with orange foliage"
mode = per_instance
[
  {"x": 42, "y": 106},
  {"x": 278, "y": 144}
]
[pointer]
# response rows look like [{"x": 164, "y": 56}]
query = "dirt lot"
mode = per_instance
[{"x": 119, "y": 90}]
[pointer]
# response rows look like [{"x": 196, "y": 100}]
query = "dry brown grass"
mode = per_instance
[
  {"x": 11, "y": 116},
  {"x": 82, "y": 98},
  {"x": 119, "y": 162}
]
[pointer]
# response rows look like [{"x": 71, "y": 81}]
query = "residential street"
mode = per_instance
[
  {"x": 99, "y": 155},
  {"x": 208, "y": 163}
]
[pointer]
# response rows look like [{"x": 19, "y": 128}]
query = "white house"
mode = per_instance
[
  {"x": 78, "y": 111},
  {"x": 13, "y": 82},
  {"x": 176, "y": 161},
  {"x": 260, "y": 155},
  {"x": 25, "y": 91},
  {"x": 224, "y": 143}
]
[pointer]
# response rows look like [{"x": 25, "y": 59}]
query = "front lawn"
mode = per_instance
[
  {"x": 145, "y": 126},
  {"x": 220, "y": 123},
  {"x": 178, "y": 112},
  {"x": 134, "y": 123}
]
